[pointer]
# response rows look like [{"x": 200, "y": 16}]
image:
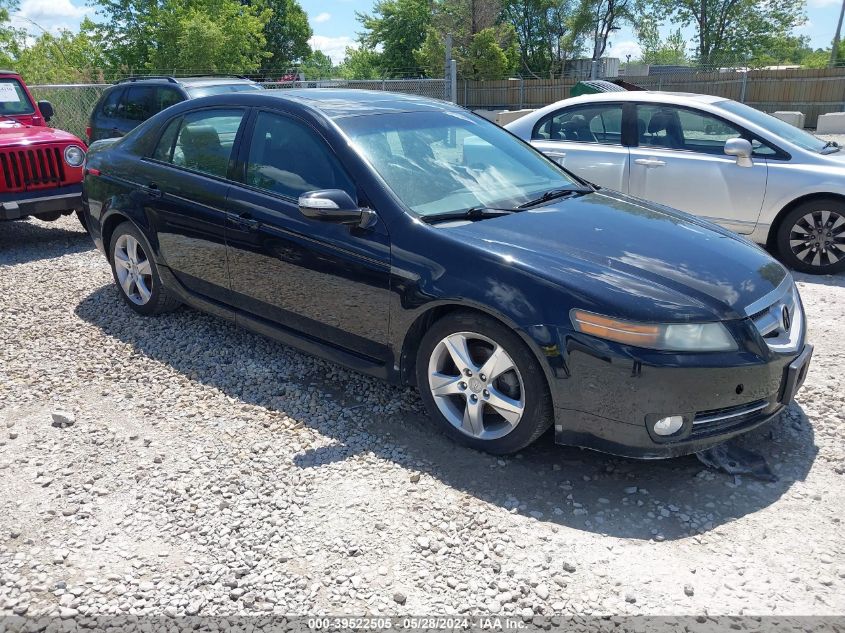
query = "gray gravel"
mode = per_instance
[{"x": 179, "y": 465}]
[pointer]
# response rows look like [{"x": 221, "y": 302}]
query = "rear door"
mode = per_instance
[
  {"x": 680, "y": 161},
  {"x": 587, "y": 140},
  {"x": 185, "y": 183}
]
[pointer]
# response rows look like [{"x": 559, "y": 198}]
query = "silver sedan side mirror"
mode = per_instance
[{"x": 740, "y": 148}]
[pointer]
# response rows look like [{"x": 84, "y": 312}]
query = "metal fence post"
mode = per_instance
[
  {"x": 453, "y": 81},
  {"x": 521, "y": 93}
]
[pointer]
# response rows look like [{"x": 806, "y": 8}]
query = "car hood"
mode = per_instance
[
  {"x": 632, "y": 258},
  {"x": 13, "y": 133}
]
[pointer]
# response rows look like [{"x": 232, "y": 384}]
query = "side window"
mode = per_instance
[
  {"x": 139, "y": 103},
  {"x": 586, "y": 124},
  {"x": 203, "y": 141},
  {"x": 164, "y": 98},
  {"x": 679, "y": 128},
  {"x": 111, "y": 105},
  {"x": 164, "y": 149},
  {"x": 289, "y": 158}
]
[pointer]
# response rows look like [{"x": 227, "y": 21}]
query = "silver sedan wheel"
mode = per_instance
[
  {"x": 476, "y": 385},
  {"x": 818, "y": 238},
  {"x": 134, "y": 272}
]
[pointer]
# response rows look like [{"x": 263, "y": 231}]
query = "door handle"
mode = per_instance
[
  {"x": 650, "y": 162},
  {"x": 244, "y": 221},
  {"x": 153, "y": 191}
]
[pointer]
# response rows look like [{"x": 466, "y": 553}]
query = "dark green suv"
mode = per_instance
[{"x": 135, "y": 99}]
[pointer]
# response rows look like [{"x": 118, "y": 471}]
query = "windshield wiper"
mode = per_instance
[
  {"x": 473, "y": 213},
  {"x": 830, "y": 144},
  {"x": 554, "y": 194}
]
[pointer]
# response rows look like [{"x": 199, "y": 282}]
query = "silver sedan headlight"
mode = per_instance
[
  {"x": 676, "y": 337},
  {"x": 74, "y": 155}
]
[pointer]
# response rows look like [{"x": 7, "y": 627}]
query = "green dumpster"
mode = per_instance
[{"x": 593, "y": 86}]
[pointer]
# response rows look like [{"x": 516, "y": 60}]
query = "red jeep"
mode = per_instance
[{"x": 40, "y": 167}]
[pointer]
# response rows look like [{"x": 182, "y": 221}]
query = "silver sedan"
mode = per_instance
[{"x": 708, "y": 156}]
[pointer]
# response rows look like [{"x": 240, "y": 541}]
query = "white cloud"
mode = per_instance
[
  {"x": 322, "y": 17},
  {"x": 622, "y": 49},
  {"x": 334, "y": 47},
  {"x": 49, "y": 15},
  {"x": 819, "y": 4}
]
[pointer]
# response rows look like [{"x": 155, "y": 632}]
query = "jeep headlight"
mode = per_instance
[
  {"x": 74, "y": 155},
  {"x": 676, "y": 337}
]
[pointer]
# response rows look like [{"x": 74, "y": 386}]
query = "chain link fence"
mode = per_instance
[{"x": 73, "y": 103}]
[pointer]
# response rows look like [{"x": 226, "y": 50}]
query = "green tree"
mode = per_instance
[
  {"x": 317, "y": 65},
  {"x": 360, "y": 63},
  {"x": 600, "y": 18},
  {"x": 659, "y": 51},
  {"x": 287, "y": 33},
  {"x": 398, "y": 28},
  {"x": 729, "y": 31},
  {"x": 64, "y": 58},
  {"x": 486, "y": 59},
  {"x": 548, "y": 33}
]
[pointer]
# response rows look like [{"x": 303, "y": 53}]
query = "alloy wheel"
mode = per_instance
[
  {"x": 134, "y": 272},
  {"x": 818, "y": 238},
  {"x": 476, "y": 385}
]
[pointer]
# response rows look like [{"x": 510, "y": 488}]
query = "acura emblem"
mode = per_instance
[{"x": 787, "y": 321}]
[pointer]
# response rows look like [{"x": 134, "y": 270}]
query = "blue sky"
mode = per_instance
[{"x": 335, "y": 27}]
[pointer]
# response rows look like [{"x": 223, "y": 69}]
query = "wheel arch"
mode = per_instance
[
  {"x": 771, "y": 239},
  {"x": 115, "y": 219},
  {"x": 413, "y": 337}
]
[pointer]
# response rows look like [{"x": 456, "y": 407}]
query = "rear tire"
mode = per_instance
[
  {"x": 80, "y": 215},
  {"x": 482, "y": 384},
  {"x": 811, "y": 237},
  {"x": 136, "y": 273}
]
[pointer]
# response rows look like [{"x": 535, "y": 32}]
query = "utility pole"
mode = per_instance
[{"x": 834, "y": 52}]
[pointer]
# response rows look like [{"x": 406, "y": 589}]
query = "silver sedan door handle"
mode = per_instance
[{"x": 650, "y": 162}]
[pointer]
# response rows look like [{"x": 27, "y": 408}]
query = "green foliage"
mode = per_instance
[
  {"x": 287, "y": 33},
  {"x": 658, "y": 51},
  {"x": 64, "y": 58},
  {"x": 548, "y": 33},
  {"x": 398, "y": 28},
  {"x": 360, "y": 63},
  {"x": 734, "y": 29},
  {"x": 317, "y": 65},
  {"x": 486, "y": 59}
]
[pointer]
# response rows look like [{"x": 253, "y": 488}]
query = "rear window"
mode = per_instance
[
  {"x": 142, "y": 102},
  {"x": 13, "y": 98},
  {"x": 219, "y": 89}
]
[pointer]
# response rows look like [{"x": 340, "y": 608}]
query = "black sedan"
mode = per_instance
[{"x": 411, "y": 240}]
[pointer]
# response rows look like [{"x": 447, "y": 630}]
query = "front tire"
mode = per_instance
[
  {"x": 136, "y": 273},
  {"x": 811, "y": 238},
  {"x": 482, "y": 384}
]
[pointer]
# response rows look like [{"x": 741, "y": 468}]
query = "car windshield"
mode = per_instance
[
  {"x": 13, "y": 98},
  {"x": 788, "y": 132},
  {"x": 219, "y": 89},
  {"x": 447, "y": 162}
]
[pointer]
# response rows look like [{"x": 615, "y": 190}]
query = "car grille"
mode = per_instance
[
  {"x": 32, "y": 168},
  {"x": 779, "y": 318},
  {"x": 720, "y": 420}
]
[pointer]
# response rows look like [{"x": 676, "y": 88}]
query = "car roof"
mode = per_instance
[
  {"x": 185, "y": 82},
  {"x": 342, "y": 102},
  {"x": 646, "y": 96}
]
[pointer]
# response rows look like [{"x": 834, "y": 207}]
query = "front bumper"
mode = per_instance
[
  {"x": 14, "y": 206},
  {"x": 619, "y": 398}
]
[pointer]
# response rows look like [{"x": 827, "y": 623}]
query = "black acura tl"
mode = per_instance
[{"x": 412, "y": 240}]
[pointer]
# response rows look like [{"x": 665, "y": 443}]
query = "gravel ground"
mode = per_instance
[{"x": 195, "y": 468}]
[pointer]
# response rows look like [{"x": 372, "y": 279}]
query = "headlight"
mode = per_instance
[
  {"x": 677, "y": 337},
  {"x": 74, "y": 155}
]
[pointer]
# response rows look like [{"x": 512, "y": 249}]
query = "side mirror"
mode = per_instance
[
  {"x": 330, "y": 205},
  {"x": 740, "y": 148},
  {"x": 46, "y": 109}
]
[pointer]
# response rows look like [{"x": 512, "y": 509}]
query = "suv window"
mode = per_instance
[
  {"x": 112, "y": 104},
  {"x": 142, "y": 102},
  {"x": 599, "y": 123},
  {"x": 201, "y": 141},
  {"x": 288, "y": 158},
  {"x": 13, "y": 98}
]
